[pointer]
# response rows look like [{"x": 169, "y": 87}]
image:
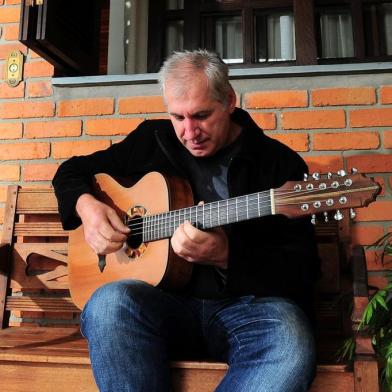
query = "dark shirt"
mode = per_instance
[{"x": 208, "y": 177}]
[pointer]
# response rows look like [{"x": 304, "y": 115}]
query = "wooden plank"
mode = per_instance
[
  {"x": 45, "y": 304},
  {"x": 38, "y": 229},
  {"x": 37, "y": 200},
  {"x": 33, "y": 377}
]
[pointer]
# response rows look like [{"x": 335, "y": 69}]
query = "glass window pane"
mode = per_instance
[
  {"x": 174, "y": 4},
  {"x": 387, "y": 12},
  {"x": 228, "y": 39},
  {"x": 174, "y": 36},
  {"x": 378, "y": 29},
  {"x": 336, "y": 34},
  {"x": 275, "y": 37}
]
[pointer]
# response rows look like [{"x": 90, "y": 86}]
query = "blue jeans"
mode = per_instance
[{"x": 133, "y": 330}]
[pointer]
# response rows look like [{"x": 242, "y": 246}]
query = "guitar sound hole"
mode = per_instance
[{"x": 135, "y": 238}]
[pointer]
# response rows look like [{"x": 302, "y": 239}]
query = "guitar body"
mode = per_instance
[{"x": 154, "y": 262}]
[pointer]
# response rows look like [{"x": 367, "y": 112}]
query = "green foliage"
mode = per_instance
[{"x": 376, "y": 322}]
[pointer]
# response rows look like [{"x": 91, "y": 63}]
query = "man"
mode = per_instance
[{"x": 250, "y": 280}]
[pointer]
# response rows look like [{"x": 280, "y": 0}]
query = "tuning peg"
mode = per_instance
[
  {"x": 354, "y": 170},
  {"x": 316, "y": 176},
  {"x": 341, "y": 173},
  {"x": 353, "y": 214},
  {"x": 326, "y": 219},
  {"x": 313, "y": 220},
  {"x": 338, "y": 215},
  {"x": 305, "y": 177},
  {"x": 329, "y": 175}
]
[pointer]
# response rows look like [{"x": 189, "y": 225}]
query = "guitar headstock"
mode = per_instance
[{"x": 316, "y": 194}]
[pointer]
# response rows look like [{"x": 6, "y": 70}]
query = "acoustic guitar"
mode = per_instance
[{"x": 156, "y": 205}]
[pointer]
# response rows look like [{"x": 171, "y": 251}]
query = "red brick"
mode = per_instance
[
  {"x": 14, "y": 151},
  {"x": 38, "y": 69},
  {"x": 39, "y": 89},
  {"x": 371, "y": 118},
  {"x": 381, "y": 182},
  {"x": 26, "y": 109},
  {"x": 12, "y": 2},
  {"x": 372, "y": 163},
  {"x": 366, "y": 234},
  {"x": 344, "y": 96},
  {"x": 54, "y": 128},
  {"x": 378, "y": 282},
  {"x": 386, "y": 94},
  {"x": 316, "y": 119},
  {"x": 377, "y": 211},
  {"x": 324, "y": 163},
  {"x": 296, "y": 141},
  {"x": 387, "y": 139},
  {"x": 11, "y": 32},
  {"x": 1, "y": 215},
  {"x": 33, "y": 55},
  {"x": 266, "y": 121},
  {"x": 152, "y": 104},
  {"x": 86, "y": 107},
  {"x": 9, "y": 173},
  {"x": 9, "y": 14},
  {"x": 12, "y": 92},
  {"x": 6, "y": 49},
  {"x": 346, "y": 141},
  {"x": 276, "y": 99},
  {"x": 111, "y": 126},
  {"x": 375, "y": 261},
  {"x": 68, "y": 149},
  {"x": 42, "y": 172},
  {"x": 10, "y": 130}
]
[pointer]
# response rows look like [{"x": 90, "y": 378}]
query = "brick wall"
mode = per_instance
[{"x": 336, "y": 122}]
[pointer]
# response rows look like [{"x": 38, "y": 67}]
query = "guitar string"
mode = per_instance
[
  {"x": 157, "y": 224},
  {"x": 162, "y": 218},
  {"x": 264, "y": 195}
]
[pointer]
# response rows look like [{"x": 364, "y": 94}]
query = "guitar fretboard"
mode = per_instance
[{"x": 209, "y": 215}]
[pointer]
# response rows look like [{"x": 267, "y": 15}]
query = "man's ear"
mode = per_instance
[{"x": 232, "y": 100}]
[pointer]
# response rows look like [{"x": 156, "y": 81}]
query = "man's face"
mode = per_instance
[{"x": 202, "y": 124}]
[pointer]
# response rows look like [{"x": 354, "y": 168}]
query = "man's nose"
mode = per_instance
[{"x": 191, "y": 129}]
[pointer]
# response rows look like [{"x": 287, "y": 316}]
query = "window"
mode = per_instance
[{"x": 135, "y": 36}]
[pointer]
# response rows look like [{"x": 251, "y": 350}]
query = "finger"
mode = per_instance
[
  {"x": 117, "y": 223},
  {"x": 181, "y": 243},
  {"x": 103, "y": 246},
  {"x": 107, "y": 231},
  {"x": 194, "y": 234}
]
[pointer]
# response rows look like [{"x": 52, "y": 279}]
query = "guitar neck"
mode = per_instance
[{"x": 208, "y": 215}]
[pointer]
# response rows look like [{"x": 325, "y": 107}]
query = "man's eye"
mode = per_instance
[
  {"x": 178, "y": 118},
  {"x": 201, "y": 116}
]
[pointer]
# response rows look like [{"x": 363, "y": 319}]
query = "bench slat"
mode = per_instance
[
  {"x": 24, "y": 303},
  {"x": 40, "y": 229}
]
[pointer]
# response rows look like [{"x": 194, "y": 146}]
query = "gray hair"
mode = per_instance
[{"x": 180, "y": 67}]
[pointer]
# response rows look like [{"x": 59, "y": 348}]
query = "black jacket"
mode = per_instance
[{"x": 270, "y": 256}]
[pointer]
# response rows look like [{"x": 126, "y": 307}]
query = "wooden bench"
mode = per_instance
[{"x": 40, "y": 345}]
